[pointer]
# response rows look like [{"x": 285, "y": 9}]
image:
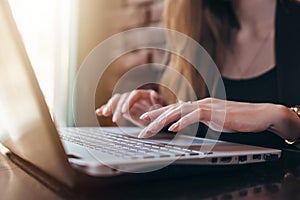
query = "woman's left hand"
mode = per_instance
[{"x": 220, "y": 115}]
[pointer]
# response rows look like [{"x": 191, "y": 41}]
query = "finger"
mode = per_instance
[
  {"x": 141, "y": 106},
  {"x": 109, "y": 107},
  {"x": 135, "y": 96},
  {"x": 136, "y": 122},
  {"x": 174, "y": 114},
  {"x": 155, "y": 98},
  {"x": 204, "y": 116},
  {"x": 197, "y": 115},
  {"x": 145, "y": 104},
  {"x": 117, "y": 112},
  {"x": 151, "y": 115},
  {"x": 99, "y": 111},
  {"x": 133, "y": 115},
  {"x": 155, "y": 126}
]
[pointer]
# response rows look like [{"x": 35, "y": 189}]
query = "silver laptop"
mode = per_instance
[{"x": 68, "y": 153}]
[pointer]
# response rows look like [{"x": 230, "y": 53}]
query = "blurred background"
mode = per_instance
[{"x": 59, "y": 34}]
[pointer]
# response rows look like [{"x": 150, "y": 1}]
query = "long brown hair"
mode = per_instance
[{"x": 207, "y": 21}]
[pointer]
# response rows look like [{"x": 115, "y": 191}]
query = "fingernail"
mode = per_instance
[
  {"x": 141, "y": 135},
  {"x": 97, "y": 111},
  {"x": 105, "y": 111},
  {"x": 145, "y": 116},
  {"x": 114, "y": 118},
  {"x": 173, "y": 127},
  {"x": 144, "y": 134}
]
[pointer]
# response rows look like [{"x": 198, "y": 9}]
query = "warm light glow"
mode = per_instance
[{"x": 44, "y": 26}]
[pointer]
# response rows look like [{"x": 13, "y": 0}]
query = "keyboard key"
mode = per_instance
[{"x": 122, "y": 145}]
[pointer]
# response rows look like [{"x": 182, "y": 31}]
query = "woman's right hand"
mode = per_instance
[{"x": 131, "y": 106}]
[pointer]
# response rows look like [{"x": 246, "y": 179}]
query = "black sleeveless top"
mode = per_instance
[{"x": 261, "y": 89}]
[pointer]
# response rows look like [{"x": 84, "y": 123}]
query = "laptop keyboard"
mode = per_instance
[{"x": 122, "y": 145}]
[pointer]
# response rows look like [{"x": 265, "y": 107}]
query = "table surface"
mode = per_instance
[
  {"x": 280, "y": 180},
  {"x": 16, "y": 184}
]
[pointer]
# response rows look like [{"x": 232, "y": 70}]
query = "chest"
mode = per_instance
[{"x": 249, "y": 57}]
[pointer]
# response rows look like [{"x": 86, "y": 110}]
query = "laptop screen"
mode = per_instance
[{"x": 30, "y": 134}]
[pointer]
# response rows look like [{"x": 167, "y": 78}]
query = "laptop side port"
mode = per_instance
[
  {"x": 226, "y": 196},
  {"x": 256, "y": 157},
  {"x": 214, "y": 160},
  {"x": 226, "y": 159},
  {"x": 242, "y": 158},
  {"x": 243, "y": 193},
  {"x": 271, "y": 157},
  {"x": 257, "y": 190}
]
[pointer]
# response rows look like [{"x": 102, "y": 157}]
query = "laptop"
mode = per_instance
[{"x": 99, "y": 153}]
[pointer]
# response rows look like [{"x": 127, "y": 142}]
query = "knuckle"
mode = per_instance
[
  {"x": 134, "y": 93},
  {"x": 115, "y": 96},
  {"x": 202, "y": 113},
  {"x": 152, "y": 92},
  {"x": 209, "y": 100},
  {"x": 179, "y": 108},
  {"x": 109, "y": 102}
]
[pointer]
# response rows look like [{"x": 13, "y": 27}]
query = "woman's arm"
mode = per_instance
[
  {"x": 226, "y": 116},
  {"x": 287, "y": 124}
]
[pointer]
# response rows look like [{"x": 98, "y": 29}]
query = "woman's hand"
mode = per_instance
[
  {"x": 131, "y": 106},
  {"x": 225, "y": 116}
]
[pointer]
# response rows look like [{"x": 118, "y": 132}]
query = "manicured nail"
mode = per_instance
[
  {"x": 97, "y": 111},
  {"x": 144, "y": 134},
  {"x": 173, "y": 127},
  {"x": 114, "y": 118},
  {"x": 105, "y": 111},
  {"x": 145, "y": 116}
]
